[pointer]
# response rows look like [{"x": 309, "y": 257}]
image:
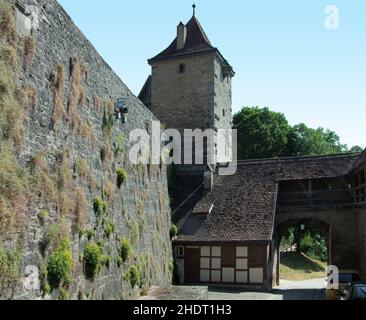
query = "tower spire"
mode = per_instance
[{"x": 194, "y": 8}]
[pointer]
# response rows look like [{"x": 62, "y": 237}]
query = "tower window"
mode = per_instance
[
  {"x": 223, "y": 113},
  {"x": 182, "y": 68}
]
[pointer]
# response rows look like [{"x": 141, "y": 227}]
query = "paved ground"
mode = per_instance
[
  {"x": 288, "y": 290},
  {"x": 177, "y": 293}
]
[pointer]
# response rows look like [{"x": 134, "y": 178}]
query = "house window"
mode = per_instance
[
  {"x": 241, "y": 261},
  {"x": 180, "y": 252},
  {"x": 182, "y": 68},
  {"x": 210, "y": 264}
]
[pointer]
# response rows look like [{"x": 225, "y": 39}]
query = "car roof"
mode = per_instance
[
  {"x": 349, "y": 271},
  {"x": 361, "y": 283}
]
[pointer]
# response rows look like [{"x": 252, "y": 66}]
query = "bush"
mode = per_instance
[
  {"x": 106, "y": 261},
  {"x": 100, "y": 207},
  {"x": 121, "y": 177},
  {"x": 60, "y": 265},
  {"x": 171, "y": 265},
  {"x": 9, "y": 267},
  {"x": 42, "y": 215},
  {"x": 90, "y": 234},
  {"x": 93, "y": 260},
  {"x": 109, "y": 229},
  {"x": 134, "y": 276},
  {"x": 173, "y": 231},
  {"x": 119, "y": 262},
  {"x": 314, "y": 246},
  {"x": 63, "y": 295},
  {"x": 125, "y": 249}
]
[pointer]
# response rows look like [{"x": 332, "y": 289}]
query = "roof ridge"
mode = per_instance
[{"x": 336, "y": 155}]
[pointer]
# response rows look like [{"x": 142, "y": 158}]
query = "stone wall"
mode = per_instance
[
  {"x": 343, "y": 232},
  {"x": 74, "y": 145}
]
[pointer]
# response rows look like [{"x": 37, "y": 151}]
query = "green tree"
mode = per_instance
[
  {"x": 261, "y": 133},
  {"x": 304, "y": 141},
  {"x": 356, "y": 149}
]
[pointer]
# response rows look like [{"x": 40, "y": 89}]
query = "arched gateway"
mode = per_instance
[{"x": 230, "y": 235}]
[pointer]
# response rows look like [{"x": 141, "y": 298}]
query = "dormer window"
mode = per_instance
[{"x": 182, "y": 68}]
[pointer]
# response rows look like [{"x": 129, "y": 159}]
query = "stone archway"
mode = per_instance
[{"x": 323, "y": 227}]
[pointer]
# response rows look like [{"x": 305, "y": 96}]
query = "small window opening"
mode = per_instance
[{"x": 182, "y": 68}]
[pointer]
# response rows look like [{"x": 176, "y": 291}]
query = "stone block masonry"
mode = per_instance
[{"x": 73, "y": 148}]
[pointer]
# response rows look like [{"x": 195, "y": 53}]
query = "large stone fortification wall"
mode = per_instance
[{"x": 64, "y": 159}]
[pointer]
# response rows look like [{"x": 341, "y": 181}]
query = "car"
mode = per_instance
[
  {"x": 356, "y": 291},
  {"x": 345, "y": 279}
]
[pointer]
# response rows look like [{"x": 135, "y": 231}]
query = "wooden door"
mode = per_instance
[{"x": 192, "y": 265}]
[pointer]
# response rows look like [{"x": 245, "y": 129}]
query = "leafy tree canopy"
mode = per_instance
[{"x": 263, "y": 133}]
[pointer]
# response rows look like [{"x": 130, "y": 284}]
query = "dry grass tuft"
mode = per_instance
[
  {"x": 58, "y": 86},
  {"x": 7, "y": 23},
  {"x": 43, "y": 184},
  {"x": 65, "y": 204},
  {"x": 9, "y": 55},
  {"x": 81, "y": 208},
  {"x": 84, "y": 172},
  {"x": 13, "y": 191},
  {"x": 65, "y": 173},
  {"x": 30, "y": 47},
  {"x": 39, "y": 162},
  {"x": 109, "y": 192},
  {"x": 98, "y": 102},
  {"x": 29, "y": 98}
]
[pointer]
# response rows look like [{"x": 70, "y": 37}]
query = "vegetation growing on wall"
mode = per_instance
[
  {"x": 125, "y": 249},
  {"x": 9, "y": 268},
  {"x": 100, "y": 207},
  {"x": 29, "y": 51},
  {"x": 60, "y": 265},
  {"x": 121, "y": 177},
  {"x": 58, "y": 88},
  {"x": 93, "y": 259},
  {"x": 51, "y": 192}
]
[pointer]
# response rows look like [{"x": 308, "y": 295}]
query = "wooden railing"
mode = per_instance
[{"x": 323, "y": 197}]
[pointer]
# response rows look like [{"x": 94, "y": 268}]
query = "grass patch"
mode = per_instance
[
  {"x": 30, "y": 46},
  {"x": 60, "y": 264},
  {"x": 93, "y": 260},
  {"x": 125, "y": 249},
  {"x": 7, "y": 23},
  {"x": 100, "y": 207},
  {"x": 58, "y": 88},
  {"x": 109, "y": 228},
  {"x": 121, "y": 177},
  {"x": 42, "y": 215},
  {"x": 297, "y": 267},
  {"x": 9, "y": 268},
  {"x": 81, "y": 208}
]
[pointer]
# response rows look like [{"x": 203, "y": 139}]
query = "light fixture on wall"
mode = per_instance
[
  {"x": 121, "y": 110},
  {"x": 302, "y": 227}
]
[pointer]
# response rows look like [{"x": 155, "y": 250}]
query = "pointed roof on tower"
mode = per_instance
[{"x": 195, "y": 42}]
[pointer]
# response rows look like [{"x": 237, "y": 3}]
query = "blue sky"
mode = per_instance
[{"x": 283, "y": 55}]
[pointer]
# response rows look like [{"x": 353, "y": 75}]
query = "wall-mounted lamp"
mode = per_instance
[
  {"x": 121, "y": 110},
  {"x": 302, "y": 227}
]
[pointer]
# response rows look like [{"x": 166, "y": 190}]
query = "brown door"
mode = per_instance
[{"x": 192, "y": 265}]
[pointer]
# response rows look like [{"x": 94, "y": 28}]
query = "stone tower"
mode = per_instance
[{"x": 190, "y": 85}]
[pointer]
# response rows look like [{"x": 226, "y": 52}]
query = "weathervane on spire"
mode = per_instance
[{"x": 194, "y": 8}]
